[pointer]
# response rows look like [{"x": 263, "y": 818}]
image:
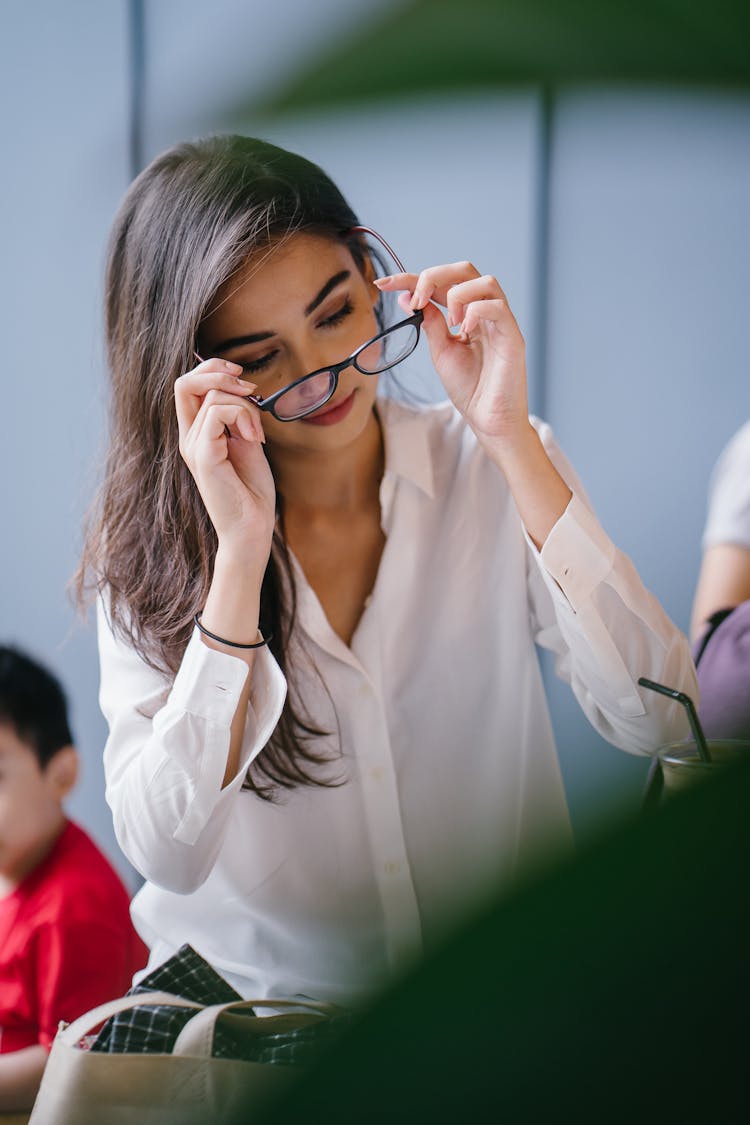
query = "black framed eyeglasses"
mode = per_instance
[{"x": 306, "y": 395}]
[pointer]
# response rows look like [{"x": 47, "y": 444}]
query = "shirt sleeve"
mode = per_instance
[
  {"x": 167, "y": 749},
  {"x": 728, "y": 518},
  {"x": 591, "y": 609}
]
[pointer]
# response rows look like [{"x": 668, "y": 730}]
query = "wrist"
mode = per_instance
[
  {"x": 242, "y": 559},
  {"x": 517, "y": 448},
  {"x": 540, "y": 493},
  {"x": 232, "y": 607}
]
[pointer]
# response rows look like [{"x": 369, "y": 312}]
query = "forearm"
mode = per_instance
[
  {"x": 607, "y": 631},
  {"x": 232, "y": 610},
  {"x": 20, "y": 1075},
  {"x": 540, "y": 493}
]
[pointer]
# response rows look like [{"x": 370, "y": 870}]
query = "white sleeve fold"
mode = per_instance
[
  {"x": 591, "y": 609},
  {"x": 166, "y": 753}
]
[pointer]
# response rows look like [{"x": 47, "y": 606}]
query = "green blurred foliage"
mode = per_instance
[
  {"x": 449, "y": 45},
  {"x": 613, "y": 989}
]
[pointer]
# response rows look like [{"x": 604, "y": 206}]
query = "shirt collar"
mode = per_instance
[{"x": 407, "y": 445}]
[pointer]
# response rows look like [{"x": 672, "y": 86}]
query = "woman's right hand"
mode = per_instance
[{"x": 221, "y": 441}]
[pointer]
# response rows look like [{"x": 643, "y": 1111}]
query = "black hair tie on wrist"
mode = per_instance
[{"x": 223, "y": 640}]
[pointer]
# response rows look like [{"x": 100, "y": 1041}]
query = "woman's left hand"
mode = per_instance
[{"x": 483, "y": 366}]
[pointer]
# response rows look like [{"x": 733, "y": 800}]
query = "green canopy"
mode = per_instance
[{"x": 426, "y": 46}]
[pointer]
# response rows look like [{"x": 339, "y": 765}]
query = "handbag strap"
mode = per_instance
[
  {"x": 197, "y": 1036},
  {"x": 76, "y": 1030}
]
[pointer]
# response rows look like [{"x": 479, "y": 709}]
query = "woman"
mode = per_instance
[{"x": 387, "y": 569}]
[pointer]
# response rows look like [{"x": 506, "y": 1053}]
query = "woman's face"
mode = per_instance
[{"x": 301, "y": 306}]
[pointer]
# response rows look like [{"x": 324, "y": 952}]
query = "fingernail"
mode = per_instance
[
  {"x": 379, "y": 282},
  {"x": 416, "y": 301},
  {"x": 232, "y": 366}
]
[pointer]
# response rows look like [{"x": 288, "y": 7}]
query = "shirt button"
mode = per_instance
[
  {"x": 377, "y": 773},
  {"x": 391, "y": 868}
]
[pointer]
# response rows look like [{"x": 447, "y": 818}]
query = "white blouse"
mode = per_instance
[
  {"x": 439, "y": 732},
  {"x": 728, "y": 518}
]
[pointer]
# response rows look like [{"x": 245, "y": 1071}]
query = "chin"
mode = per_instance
[{"x": 328, "y": 434}]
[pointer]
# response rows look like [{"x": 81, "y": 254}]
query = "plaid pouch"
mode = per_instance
[{"x": 154, "y": 1028}]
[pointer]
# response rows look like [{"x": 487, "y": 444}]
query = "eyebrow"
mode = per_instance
[{"x": 256, "y": 337}]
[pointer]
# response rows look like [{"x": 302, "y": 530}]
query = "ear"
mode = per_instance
[{"x": 62, "y": 771}]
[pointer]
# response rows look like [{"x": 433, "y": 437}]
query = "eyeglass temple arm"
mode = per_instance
[{"x": 382, "y": 241}]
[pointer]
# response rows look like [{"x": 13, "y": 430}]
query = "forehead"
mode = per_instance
[
  {"x": 277, "y": 282},
  {"x": 12, "y": 748}
]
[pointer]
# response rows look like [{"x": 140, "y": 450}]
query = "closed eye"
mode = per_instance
[
  {"x": 253, "y": 366},
  {"x": 336, "y": 317}
]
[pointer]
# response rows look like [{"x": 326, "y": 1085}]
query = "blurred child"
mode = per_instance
[{"x": 66, "y": 939}]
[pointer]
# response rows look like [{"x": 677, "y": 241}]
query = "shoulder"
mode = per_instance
[
  {"x": 78, "y": 881},
  {"x": 735, "y": 457}
]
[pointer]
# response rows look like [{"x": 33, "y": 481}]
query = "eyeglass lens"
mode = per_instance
[
  {"x": 382, "y": 353},
  {"x": 388, "y": 350},
  {"x": 305, "y": 397}
]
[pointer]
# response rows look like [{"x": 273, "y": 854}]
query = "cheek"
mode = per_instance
[
  {"x": 14, "y": 824},
  {"x": 20, "y": 813}
]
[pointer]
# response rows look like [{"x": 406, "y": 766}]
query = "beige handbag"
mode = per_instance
[{"x": 189, "y": 1086}]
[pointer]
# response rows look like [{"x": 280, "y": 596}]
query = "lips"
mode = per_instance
[{"x": 332, "y": 414}]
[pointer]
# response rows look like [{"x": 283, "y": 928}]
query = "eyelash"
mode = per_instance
[
  {"x": 335, "y": 318},
  {"x": 257, "y": 365}
]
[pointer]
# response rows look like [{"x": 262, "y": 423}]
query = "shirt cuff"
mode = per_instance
[
  {"x": 208, "y": 683},
  {"x": 577, "y": 553},
  {"x": 208, "y": 686},
  {"x": 576, "y": 558}
]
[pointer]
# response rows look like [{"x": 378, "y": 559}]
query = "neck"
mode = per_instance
[
  {"x": 338, "y": 482},
  {"x": 10, "y": 880}
]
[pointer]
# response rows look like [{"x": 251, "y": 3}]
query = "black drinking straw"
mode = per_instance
[{"x": 687, "y": 703}]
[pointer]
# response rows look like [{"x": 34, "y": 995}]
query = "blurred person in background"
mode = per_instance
[
  {"x": 720, "y": 625},
  {"x": 318, "y": 606},
  {"x": 66, "y": 940}
]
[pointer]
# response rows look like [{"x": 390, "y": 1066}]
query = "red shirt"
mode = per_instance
[{"x": 66, "y": 942}]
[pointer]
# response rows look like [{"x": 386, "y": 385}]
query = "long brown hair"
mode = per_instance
[{"x": 185, "y": 227}]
